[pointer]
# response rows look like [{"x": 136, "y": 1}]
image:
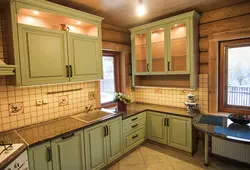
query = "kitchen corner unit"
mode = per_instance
[
  {"x": 165, "y": 52},
  {"x": 55, "y": 44}
]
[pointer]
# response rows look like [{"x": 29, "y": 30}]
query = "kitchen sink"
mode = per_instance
[{"x": 93, "y": 116}]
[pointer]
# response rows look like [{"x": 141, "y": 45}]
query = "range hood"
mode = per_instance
[{"x": 6, "y": 69}]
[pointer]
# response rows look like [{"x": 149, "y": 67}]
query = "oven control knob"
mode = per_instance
[{"x": 16, "y": 165}]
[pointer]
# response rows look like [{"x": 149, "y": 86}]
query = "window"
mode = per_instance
[
  {"x": 234, "y": 77},
  {"x": 110, "y": 82}
]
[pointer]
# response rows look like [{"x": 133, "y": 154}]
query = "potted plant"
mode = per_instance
[{"x": 122, "y": 101}]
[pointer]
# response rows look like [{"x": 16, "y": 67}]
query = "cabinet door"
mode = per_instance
[
  {"x": 156, "y": 127},
  {"x": 140, "y": 53},
  {"x": 68, "y": 152},
  {"x": 95, "y": 147},
  {"x": 180, "y": 132},
  {"x": 43, "y": 55},
  {"x": 40, "y": 157},
  {"x": 158, "y": 61},
  {"x": 178, "y": 47},
  {"x": 84, "y": 57},
  {"x": 114, "y": 139}
]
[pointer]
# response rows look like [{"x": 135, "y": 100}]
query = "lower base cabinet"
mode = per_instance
[
  {"x": 180, "y": 132},
  {"x": 40, "y": 157},
  {"x": 103, "y": 143},
  {"x": 68, "y": 152}
]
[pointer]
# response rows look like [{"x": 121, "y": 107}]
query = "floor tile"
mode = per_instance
[
  {"x": 132, "y": 167},
  {"x": 133, "y": 158}
]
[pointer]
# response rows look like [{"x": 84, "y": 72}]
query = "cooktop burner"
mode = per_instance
[{"x": 4, "y": 147}]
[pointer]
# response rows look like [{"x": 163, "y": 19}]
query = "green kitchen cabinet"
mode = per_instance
[
  {"x": 68, "y": 152},
  {"x": 180, "y": 132},
  {"x": 95, "y": 146},
  {"x": 40, "y": 157},
  {"x": 103, "y": 143},
  {"x": 114, "y": 139},
  {"x": 43, "y": 55},
  {"x": 84, "y": 57},
  {"x": 156, "y": 127}
]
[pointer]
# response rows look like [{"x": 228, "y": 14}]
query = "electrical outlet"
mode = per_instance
[
  {"x": 92, "y": 95},
  {"x": 63, "y": 101},
  {"x": 39, "y": 102}
]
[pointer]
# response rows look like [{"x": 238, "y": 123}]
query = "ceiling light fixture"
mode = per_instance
[
  {"x": 141, "y": 10},
  {"x": 36, "y": 12}
]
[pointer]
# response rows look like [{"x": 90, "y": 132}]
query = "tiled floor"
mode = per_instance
[{"x": 153, "y": 157}]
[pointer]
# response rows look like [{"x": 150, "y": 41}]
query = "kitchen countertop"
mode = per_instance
[
  {"x": 46, "y": 131},
  {"x": 222, "y": 127}
]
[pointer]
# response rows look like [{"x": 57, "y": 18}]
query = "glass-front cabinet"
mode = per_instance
[
  {"x": 178, "y": 45},
  {"x": 166, "y": 47},
  {"x": 157, "y": 50},
  {"x": 141, "y": 58}
]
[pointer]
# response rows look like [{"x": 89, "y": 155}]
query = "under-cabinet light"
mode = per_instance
[{"x": 36, "y": 12}]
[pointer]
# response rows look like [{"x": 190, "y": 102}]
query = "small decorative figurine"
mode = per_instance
[{"x": 192, "y": 106}]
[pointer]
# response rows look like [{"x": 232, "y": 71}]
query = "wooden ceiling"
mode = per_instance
[{"x": 122, "y": 13}]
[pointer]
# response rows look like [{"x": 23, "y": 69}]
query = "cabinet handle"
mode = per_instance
[
  {"x": 67, "y": 69},
  {"x": 107, "y": 130},
  {"x": 104, "y": 129},
  {"x": 134, "y": 119},
  {"x": 134, "y": 136},
  {"x": 167, "y": 122},
  {"x": 168, "y": 66},
  {"x": 147, "y": 67},
  {"x": 49, "y": 154},
  {"x": 134, "y": 125},
  {"x": 70, "y": 67},
  {"x": 68, "y": 136}
]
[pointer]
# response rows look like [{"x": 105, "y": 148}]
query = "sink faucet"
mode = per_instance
[{"x": 88, "y": 108}]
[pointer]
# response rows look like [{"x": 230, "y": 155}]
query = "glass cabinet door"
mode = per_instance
[
  {"x": 157, "y": 50},
  {"x": 141, "y": 65},
  {"x": 178, "y": 56}
]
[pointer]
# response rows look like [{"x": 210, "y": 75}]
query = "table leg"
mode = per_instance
[{"x": 206, "y": 149}]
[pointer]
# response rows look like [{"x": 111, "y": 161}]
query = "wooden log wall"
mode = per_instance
[{"x": 228, "y": 18}]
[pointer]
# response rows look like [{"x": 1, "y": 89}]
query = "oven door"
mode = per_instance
[{"x": 25, "y": 166}]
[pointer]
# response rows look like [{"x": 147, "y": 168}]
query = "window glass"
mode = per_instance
[{"x": 108, "y": 81}]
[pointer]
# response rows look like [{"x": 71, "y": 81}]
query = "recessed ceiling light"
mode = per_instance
[
  {"x": 176, "y": 25},
  {"x": 36, "y": 12},
  {"x": 141, "y": 10},
  {"x": 78, "y": 22}
]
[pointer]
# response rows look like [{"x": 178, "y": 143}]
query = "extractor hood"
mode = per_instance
[{"x": 6, "y": 69}]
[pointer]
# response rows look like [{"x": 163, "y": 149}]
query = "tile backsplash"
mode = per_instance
[{"x": 173, "y": 97}]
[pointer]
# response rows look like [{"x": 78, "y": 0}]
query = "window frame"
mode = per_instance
[
  {"x": 115, "y": 55},
  {"x": 223, "y": 76}
]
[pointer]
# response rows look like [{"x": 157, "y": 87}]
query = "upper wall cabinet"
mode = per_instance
[
  {"x": 165, "y": 48},
  {"x": 56, "y": 44}
]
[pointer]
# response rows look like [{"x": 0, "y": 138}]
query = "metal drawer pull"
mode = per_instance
[
  {"x": 68, "y": 136},
  {"x": 135, "y": 136},
  {"x": 167, "y": 122},
  {"x": 67, "y": 68},
  {"x": 107, "y": 130},
  {"x": 134, "y": 126},
  {"x": 105, "y": 133},
  {"x": 49, "y": 154},
  {"x": 134, "y": 119}
]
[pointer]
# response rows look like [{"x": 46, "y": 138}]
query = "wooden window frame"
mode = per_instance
[
  {"x": 115, "y": 55},
  {"x": 223, "y": 76},
  {"x": 213, "y": 65}
]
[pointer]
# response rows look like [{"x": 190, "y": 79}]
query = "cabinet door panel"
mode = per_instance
[
  {"x": 38, "y": 157},
  {"x": 179, "y": 47},
  {"x": 179, "y": 132},
  {"x": 95, "y": 147},
  {"x": 156, "y": 127},
  {"x": 84, "y": 54},
  {"x": 68, "y": 153},
  {"x": 43, "y": 55},
  {"x": 114, "y": 139}
]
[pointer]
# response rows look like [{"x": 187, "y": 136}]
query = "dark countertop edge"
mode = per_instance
[
  {"x": 219, "y": 136},
  {"x": 13, "y": 156},
  {"x": 189, "y": 116}
]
